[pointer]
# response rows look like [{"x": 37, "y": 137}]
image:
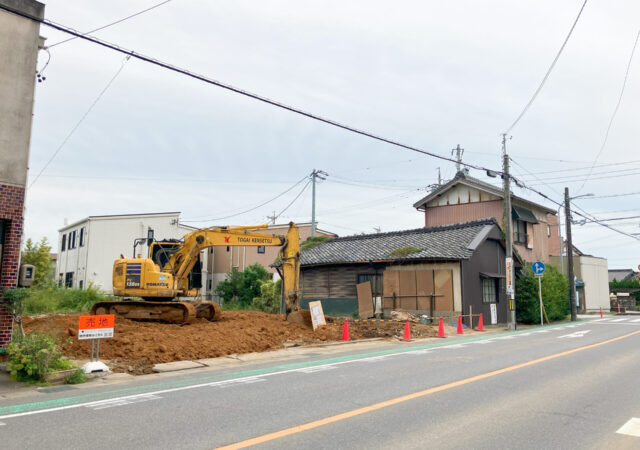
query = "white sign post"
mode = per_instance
[
  {"x": 538, "y": 270},
  {"x": 95, "y": 327}
]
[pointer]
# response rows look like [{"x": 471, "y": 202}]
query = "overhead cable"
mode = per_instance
[
  {"x": 77, "y": 125},
  {"x": 615, "y": 110},
  {"x": 546, "y": 76},
  {"x": 231, "y": 88},
  {"x": 111, "y": 24},
  {"x": 253, "y": 207}
]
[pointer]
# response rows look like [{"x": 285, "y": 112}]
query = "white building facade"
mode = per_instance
[{"x": 88, "y": 248}]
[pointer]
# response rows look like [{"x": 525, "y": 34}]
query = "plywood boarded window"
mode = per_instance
[{"x": 418, "y": 290}]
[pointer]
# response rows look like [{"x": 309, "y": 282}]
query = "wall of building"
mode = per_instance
[
  {"x": 442, "y": 211},
  {"x": 106, "y": 239},
  {"x": 455, "y": 213},
  {"x": 488, "y": 258},
  {"x": 594, "y": 272},
  {"x": 19, "y": 43}
]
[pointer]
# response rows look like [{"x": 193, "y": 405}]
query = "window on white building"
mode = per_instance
[
  {"x": 82, "y": 235},
  {"x": 63, "y": 246}
]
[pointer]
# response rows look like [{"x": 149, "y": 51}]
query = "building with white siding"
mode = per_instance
[{"x": 88, "y": 248}]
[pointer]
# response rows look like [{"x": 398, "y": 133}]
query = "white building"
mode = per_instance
[{"x": 88, "y": 248}]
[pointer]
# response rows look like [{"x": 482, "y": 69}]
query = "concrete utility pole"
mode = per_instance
[
  {"x": 508, "y": 227},
  {"x": 315, "y": 174},
  {"x": 572, "y": 291},
  {"x": 459, "y": 152}
]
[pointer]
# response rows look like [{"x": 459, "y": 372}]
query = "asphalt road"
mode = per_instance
[{"x": 555, "y": 387}]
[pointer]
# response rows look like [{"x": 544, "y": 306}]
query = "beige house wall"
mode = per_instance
[
  {"x": 19, "y": 44},
  {"x": 464, "y": 204}
]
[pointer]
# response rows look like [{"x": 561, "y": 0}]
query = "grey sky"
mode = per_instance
[{"x": 429, "y": 74}]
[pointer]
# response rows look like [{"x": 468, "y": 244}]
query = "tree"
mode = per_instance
[
  {"x": 270, "y": 296},
  {"x": 243, "y": 286},
  {"x": 38, "y": 255},
  {"x": 555, "y": 295}
]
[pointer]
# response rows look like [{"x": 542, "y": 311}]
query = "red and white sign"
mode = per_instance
[{"x": 96, "y": 327}]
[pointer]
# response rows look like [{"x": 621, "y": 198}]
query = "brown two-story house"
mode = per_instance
[{"x": 464, "y": 198}]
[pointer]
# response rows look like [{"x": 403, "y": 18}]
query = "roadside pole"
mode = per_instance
[
  {"x": 511, "y": 302},
  {"x": 572, "y": 292},
  {"x": 540, "y": 294}
]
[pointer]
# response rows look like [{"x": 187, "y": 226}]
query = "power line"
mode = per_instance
[
  {"x": 546, "y": 76},
  {"x": 623, "y": 163},
  {"x": 253, "y": 208},
  {"x": 231, "y": 88},
  {"x": 596, "y": 178},
  {"x": 111, "y": 24},
  {"x": 84, "y": 116},
  {"x": 613, "y": 195},
  {"x": 579, "y": 175},
  {"x": 615, "y": 110},
  {"x": 296, "y": 198}
]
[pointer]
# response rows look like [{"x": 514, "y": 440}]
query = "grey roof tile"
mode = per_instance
[{"x": 449, "y": 242}]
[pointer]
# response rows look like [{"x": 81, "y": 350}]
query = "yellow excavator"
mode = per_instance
[{"x": 172, "y": 271}]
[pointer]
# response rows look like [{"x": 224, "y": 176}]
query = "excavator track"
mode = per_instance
[
  {"x": 170, "y": 312},
  {"x": 208, "y": 310}
]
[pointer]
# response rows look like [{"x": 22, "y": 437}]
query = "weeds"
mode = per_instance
[
  {"x": 31, "y": 357},
  {"x": 61, "y": 300},
  {"x": 76, "y": 377}
]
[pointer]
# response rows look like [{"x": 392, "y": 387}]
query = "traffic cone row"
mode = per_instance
[{"x": 459, "y": 325}]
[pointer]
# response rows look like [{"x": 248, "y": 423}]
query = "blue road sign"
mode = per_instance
[{"x": 538, "y": 268}]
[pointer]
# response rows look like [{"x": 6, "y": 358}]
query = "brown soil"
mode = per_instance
[{"x": 137, "y": 346}]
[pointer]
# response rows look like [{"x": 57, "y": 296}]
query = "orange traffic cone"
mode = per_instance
[
  {"x": 480, "y": 324},
  {"x": 601, "y": 316},
  {"x": 407, "y": 331},
  {"x": 345, "y": 331},
  {"x": 459, "y": 325},
  {"x": 618, "y": 308},
  {"x": 441, "y": 328}
]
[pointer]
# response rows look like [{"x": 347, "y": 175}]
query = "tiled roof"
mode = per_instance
[{"x": 449, "y": 242}]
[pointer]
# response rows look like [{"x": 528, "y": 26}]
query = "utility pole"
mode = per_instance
[
  {"x": 572, "y": 290},
  {"x": 459, "y": 152},
  {"x": 273, "y": 218},
  {"x": 508, "y": 227},
  {"x": 315, "y": 174}
]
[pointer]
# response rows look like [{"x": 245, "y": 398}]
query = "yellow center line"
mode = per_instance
[{"x": 404, "y": 398}]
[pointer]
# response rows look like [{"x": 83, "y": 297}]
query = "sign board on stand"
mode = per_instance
[
  {"x": 95, "y": 327},
  {"x": 538, "y": 268},
  {"x": 317, "y": 314},
  {"x": 494, "y": 313},
  {"x": 509, "y": 279}
]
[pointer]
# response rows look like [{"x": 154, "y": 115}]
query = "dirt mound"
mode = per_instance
[{"x": 137, "y": 346}]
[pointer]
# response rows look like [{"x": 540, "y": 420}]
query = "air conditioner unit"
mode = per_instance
[{"x": 27, "y": 272}]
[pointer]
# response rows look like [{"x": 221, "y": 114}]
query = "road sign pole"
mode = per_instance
[
  {"x": 92, "y": 347},
  {"x": 98, "y": 350},
  {"x": 540, "y": 294}
]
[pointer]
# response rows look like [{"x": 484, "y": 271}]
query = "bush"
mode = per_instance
[
  {"x": 3, "y": 351},
  {"x": 243, "y": 287},
  {"x": 555, "y": 295},
  {"x": 76, "y": 377},
  {"x": 270, "y": 297},
  {"x": 32, "y": 357}
]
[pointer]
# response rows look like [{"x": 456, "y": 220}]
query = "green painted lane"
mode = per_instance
[{"x": 196, "y": 382}]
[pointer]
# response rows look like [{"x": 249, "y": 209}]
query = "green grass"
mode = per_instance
[{"x": 53, "y": 300}]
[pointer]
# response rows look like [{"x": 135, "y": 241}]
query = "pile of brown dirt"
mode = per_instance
[{"x": 137, "y": 346}]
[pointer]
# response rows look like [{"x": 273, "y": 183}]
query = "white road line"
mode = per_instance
[
  {"x": 542, "y": 331},
  {"x": 577, "y": 334},
  {"x": 423, "y": 351},
  {"x": 619, "y": 320},
  {"x": 455, "y": 346},
  {"x": 246, "y": 380},
  {"x": 111, "y": 403},
  {"x": 631, "y": 428},
  {"x": 316, "y": 369},
  {"x": 635, "y": 320},
  {"x": 505, "y": 337}
]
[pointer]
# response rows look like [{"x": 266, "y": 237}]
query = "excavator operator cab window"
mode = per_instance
[{"x": 160, "y": 252}]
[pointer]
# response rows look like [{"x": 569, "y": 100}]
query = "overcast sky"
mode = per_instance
[{"x": 431, "y": 74}]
